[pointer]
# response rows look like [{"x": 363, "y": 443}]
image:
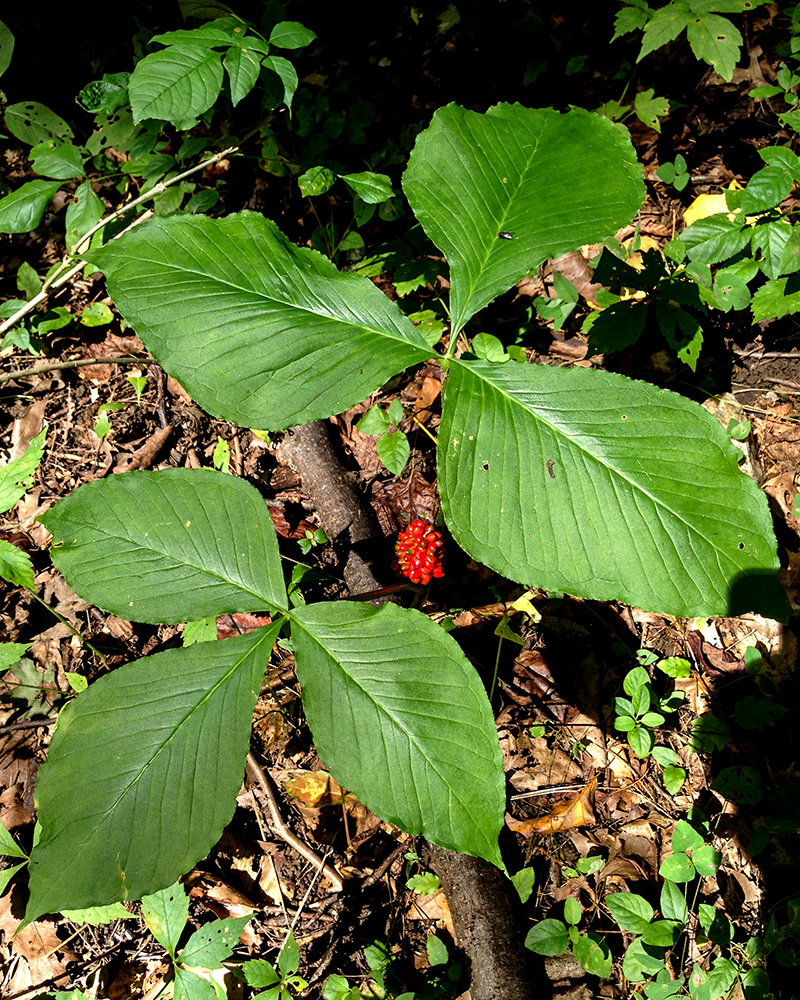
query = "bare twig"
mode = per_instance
[
  {"x": 55, "y": 366},
  {"x": 60, "y": 278},
  {"x": 12, "y": 727},
  {"x": 257, "y": 773}
]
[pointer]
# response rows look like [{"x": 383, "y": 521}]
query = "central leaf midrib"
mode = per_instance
[
  {"x": 99, "y": 530},
  {"x": 572, "y": 443},
  {"x": 490, "y": 245},
  {"x": 173, "y": 734},
  {"x": 336, "y": 657},
  {"x": 289, "y": 304},
  {"x": 177, "y": 83}
]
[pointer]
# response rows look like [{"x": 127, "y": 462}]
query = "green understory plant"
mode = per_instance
[
  {"x": 538, "y": 468},
  {"x": 713, "y": 38}
]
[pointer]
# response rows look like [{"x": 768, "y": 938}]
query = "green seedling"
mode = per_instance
[
  {"x": 674, "y": 173},
  {"x": 392, "y": 447}
]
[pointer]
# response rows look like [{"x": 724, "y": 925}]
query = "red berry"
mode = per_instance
[{"x": 419, "y": 553}]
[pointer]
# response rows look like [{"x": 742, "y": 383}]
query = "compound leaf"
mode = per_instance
[
  {"x": 592, "y": 484},
  {"x": 401, "y": 719},
  {"x": 168, "y": 546},
  {"x": 259, "y": 331},
  {"x": 157, "y": 749},
  {"x": 501, "y": 192}
]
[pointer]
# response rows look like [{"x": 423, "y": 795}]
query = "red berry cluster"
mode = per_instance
[{"x": 420, "y": 554}]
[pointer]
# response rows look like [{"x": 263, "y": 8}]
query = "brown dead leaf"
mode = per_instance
[
  {"x": 575, "y": 811},
  {"x": 429, "y": 391},
  {"x": 41, "y": 953},
  {"x": 239, "y": 623},
  {"x": 26, "y": 428}
]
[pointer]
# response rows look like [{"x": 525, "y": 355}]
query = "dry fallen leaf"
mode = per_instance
[{"x": 576, "y": 811}]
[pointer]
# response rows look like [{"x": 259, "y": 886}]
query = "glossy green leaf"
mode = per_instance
[
  {"x": 287, "y": 74},
  {"x": 674, "y": 778},
  {"x": 631, "y": 911},
  {"x": 595, "y": 485},
  {"x": 315, "y": 181},
  {"x": 258, "y": 331},
  {"x": 661, "y": 933},
  {"x": 677, "y": 868},
  {"x": 242, "y": 68},
  {"x": 685, "y": 837},
  {"x": 22, "y": 210},
  {"x": 393, "y": 450},
  {"x": 523, "y": 882},
  {"x": 6, "y": 47},
  {"x": 158, "y": 750},
  {"x": 673, "y": 903},
  {"x": 166, "y": 912},
  {"x": 766, "y": 189},
  {"x": 548, "y": 937},
  {"x": 214, "y": 942},
  {"x": 176, "y": 84},
  {"x": 371, "y": 188},
  {"x": 291, "y": 35},
  {"x": 572, "y": 910},
  {"x": 715, "y": 238},
  {"x": 520, "y": 171},
  {"x": 168, "y": 546},
  {"x": 593, "y": 954},
  {"x": 716, "y": 41},
  {"x": 83, "y": 213},
  {"x": 31, "y": 122},
  {"x": 400, "y": 717},
  {"x": 54, "y": 158},
  {"x": 16, "y": 566},
  {"x": 706, "y": 860}
]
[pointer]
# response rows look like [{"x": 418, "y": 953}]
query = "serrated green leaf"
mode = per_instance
[
  {"x": 625, "y": 460},
  {"x": 776, "y": 299},
  {"x": 664, "y": 26},
  {"x": 202, "y": 630},
  {"x": 716, "y": 41},
  {"x": 471, "y": 177},
  {"x": 176, "y": 84},
  {"x": 165, "y": 912},
  {"x": 32, "y": 122},
  {"x": 258, "y": 973},
  {"x": 548, "y": 937},
  {"x": 188, "y": 986},
  {"x": 714, "y": 239},
  {"x": 631, "y": 911},
  {"x": 214, "y": 942},
  {"x": 170, "y": 545},
  {"x": 22, "y": 210},
  {"x": 177, "y": 721},
  {"x": 401, "y": 719},
  {"x": 766, "y": 189},
  {"x": 650, "y": 108},
  {"x": 292, "y": 339}
]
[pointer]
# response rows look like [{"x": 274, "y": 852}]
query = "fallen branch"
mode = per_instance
[{"x": 483, "y": 918}]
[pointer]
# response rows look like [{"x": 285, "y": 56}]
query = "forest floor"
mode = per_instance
[{"x": 576, "y": 788}]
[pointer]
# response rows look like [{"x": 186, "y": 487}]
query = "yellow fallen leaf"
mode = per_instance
[
  {"x": 709, "y": 204},
  {"x": 577, "y": 811}
]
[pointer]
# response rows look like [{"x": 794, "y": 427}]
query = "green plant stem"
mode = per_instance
[
  {"x": 74, "y": 631},
  {"x": 63, "y": 365}
]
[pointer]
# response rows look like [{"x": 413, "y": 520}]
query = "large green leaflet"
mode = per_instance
[
  {"x": 402, "y": 719},
  {"x": 259, "y": 331},
  {"x": 551, "y": 182},
  {"x": 603, "y": 487},
  {"x": 163, "y": 546},
  {"x": 157, "y": 750},
  {"x": 176, "y": 84}
]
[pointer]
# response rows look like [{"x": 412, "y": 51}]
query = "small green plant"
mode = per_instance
[
  {"x": 674, "y": 173},
  {"x": 643, "y": 711},
  {"x": 392, "y": 447},
  {"x": 713, "y": 39},
  {"x": 275, "y": 984}
]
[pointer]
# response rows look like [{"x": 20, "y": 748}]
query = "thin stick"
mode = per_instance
[
  {"x": 258, "y": 774},
  {"x": 63, "y": 365},
  {"x": 27, "y": 724},
  {"x": 158, "y": 189}
]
